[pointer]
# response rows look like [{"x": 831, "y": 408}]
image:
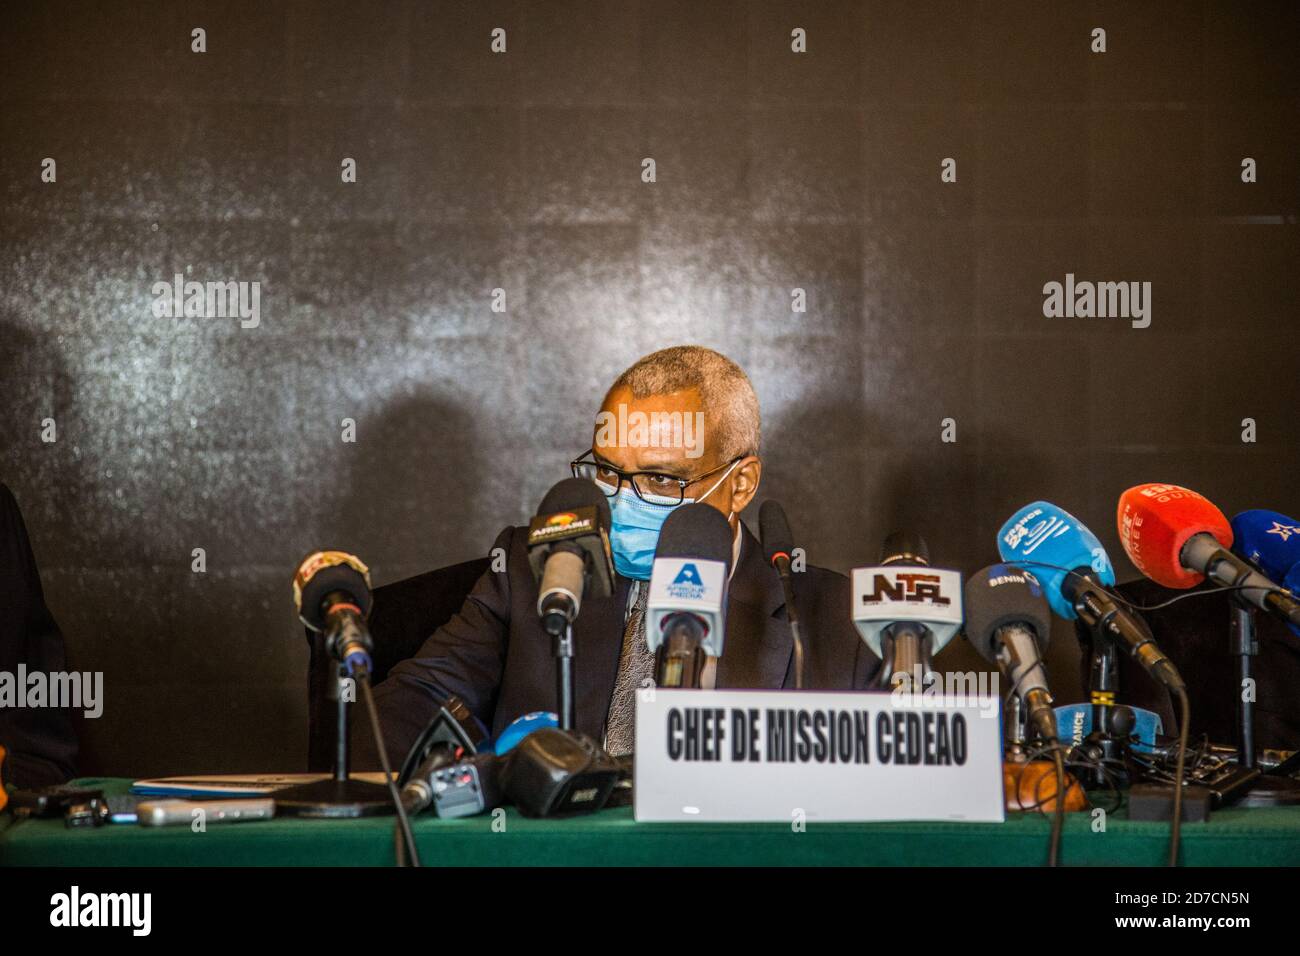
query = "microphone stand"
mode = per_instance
[
  {"x": 1244, "y": 646},
  {"x": 342, "y": 796},
  {"x": 564, "y": 675},
  {"x": 1014, "y": 733},
  {"x": 1103, "y": 685},
  {"x": 1269, "y": 790}
]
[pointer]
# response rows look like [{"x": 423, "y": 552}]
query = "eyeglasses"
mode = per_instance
[{"x": 669, "y": 489}]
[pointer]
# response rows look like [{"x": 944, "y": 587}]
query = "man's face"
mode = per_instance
[{"x": 671, "y": 436}]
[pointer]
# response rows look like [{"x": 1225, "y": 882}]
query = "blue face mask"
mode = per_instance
[{"x": 635, "y": 526}]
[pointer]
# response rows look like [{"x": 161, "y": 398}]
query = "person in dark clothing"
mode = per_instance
[
  {"x": 40, "y": 741},
  {"x": 494, "y": 654}
]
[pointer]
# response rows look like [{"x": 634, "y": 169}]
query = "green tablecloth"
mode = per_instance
[{"x": 1234, "y": 837}]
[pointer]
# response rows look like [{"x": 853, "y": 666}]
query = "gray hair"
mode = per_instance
[{"x": 725, "y": 391}]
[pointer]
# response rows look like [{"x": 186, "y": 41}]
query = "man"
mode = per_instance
[{"x": 702, "y": 446}]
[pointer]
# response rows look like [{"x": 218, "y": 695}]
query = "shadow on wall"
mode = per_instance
[
  {"x": 407, "y": 496},
  {"x": 379, "y": 498},
  {"x": 208, "y": 673},
  {"x": 815, "y": 464}
]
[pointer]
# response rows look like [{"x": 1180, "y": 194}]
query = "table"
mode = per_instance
[{"x": 1232, "y": 837}]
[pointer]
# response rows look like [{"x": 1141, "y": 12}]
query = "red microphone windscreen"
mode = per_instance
[{"x": 1155, "y": 521}]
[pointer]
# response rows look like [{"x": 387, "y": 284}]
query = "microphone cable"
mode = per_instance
[
  {"x": 1057, "y": 750},
  {"x": 1058, "y": 810},
  {"x": 1074, "y": 572},
  {"x": 403, "y": 839},
  {"x": 1184, "y": 721},
  {"x": 796, "y": 629},
  {"x": 1064, "y": 752}
]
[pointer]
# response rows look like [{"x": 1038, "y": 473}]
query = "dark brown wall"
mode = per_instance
[{"x": 522, "y": 171}]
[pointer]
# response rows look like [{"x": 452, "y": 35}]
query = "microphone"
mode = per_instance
[
  {"x": 422, "y": 786},
  {"x": 1271, "y": 542},
  {"x": 1268, "y": 540},
  {"x": 553, "y": 772},
  {"x": 1074, "y": 725},
  {"x": 687, "y": 604},
  {"x": 452, "y": 727},
  {"x": 778, "y": 542},
  {"x": 331, "y": 592},
  {"x": 1075, "y": 573},
  {"x": 568, "y": 550},
  {"x": 1177, "y": 538},
  {"x": 1009, "y": 622},
  {"x": 448, "y": 768},
  {"x": 905, "y": 610},
  {"x": 903, "y": 547}
]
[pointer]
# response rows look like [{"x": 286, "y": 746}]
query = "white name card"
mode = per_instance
[{"x": 734, "y": 755}]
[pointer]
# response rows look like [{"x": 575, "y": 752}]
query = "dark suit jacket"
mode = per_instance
[
  {"x": 495, "y": 656},
  {"x": 42, "y": 743}
]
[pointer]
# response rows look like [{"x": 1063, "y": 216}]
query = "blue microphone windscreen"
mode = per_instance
[
  {"x": 521, "y": 727},
  {"x": 1269, "y": 540},
  {"x": 1074, "y": 722},
  {"x": 1051, "y": 542}
]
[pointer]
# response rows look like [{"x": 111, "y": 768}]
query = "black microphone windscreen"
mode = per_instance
[
  {"x": 696, "y": 531},
  {"x": 904, "y": 547},
  {"x": 573, "y": 493},
  {"x": 329, "y": 572},
  {"x": 999, "y": 595},
  {"x": 774, "y": 531}
]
